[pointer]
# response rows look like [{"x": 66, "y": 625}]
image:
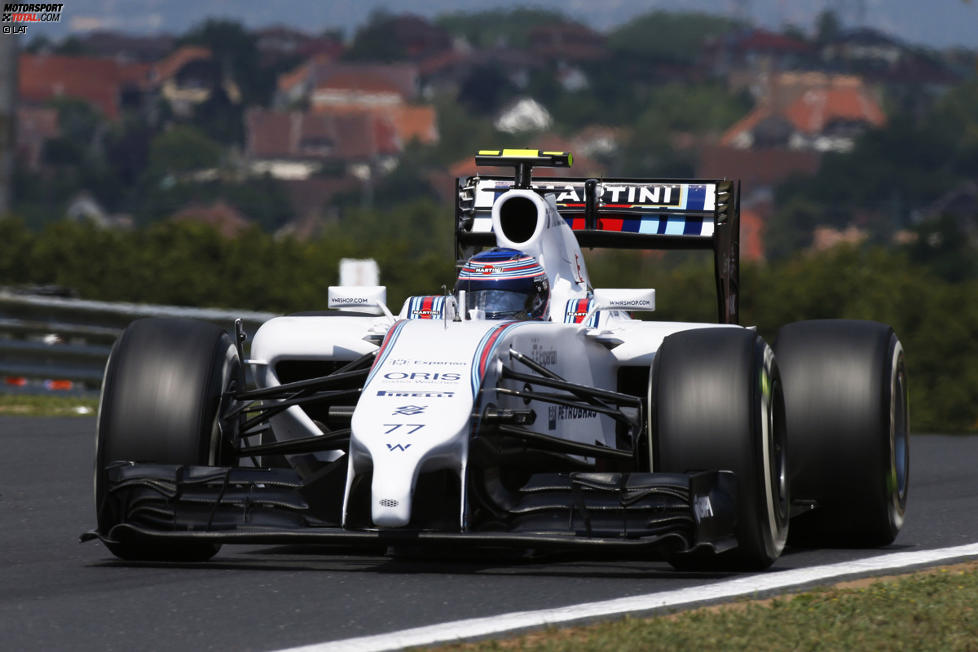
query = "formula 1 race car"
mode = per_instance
[{"x": 525, "y": 409}]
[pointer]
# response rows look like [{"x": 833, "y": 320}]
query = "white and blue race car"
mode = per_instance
[{"x": 524, "y": 409}]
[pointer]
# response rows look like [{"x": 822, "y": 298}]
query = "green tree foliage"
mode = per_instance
[
  {"x": 668, "y": 37},
  {"x": 236, "y": 53},
  {"x": 190, "y": 264},
  {"x": 827, "y": 26},
  {"x": 180, "y": 150},
  {"x": 499, "y": 28},
  {"x": 890, "y": 173}
]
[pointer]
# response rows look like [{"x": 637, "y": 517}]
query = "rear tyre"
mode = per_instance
[
  {"x": 847, "y": 411},
  {"x": 161, "y": 403},
  {"x": 717, "y": 404}
]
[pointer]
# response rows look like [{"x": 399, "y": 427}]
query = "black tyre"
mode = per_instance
[
  {"x": 845, "y": 388},
  {"x": 717, "y": 405},
  {"x": 160, "y": 403}
]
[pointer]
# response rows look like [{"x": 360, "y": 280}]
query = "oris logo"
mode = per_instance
[{"x": 424, "y": 376}]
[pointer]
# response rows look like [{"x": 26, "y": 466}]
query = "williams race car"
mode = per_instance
[{"x": 524, "y": 409}]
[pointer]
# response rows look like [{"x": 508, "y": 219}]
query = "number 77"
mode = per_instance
[{"x": 414, "y": 427}]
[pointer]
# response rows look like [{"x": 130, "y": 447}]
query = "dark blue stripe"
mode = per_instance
[
  {"x": 693, "y": 226},
  {"x": 663, "y": 223},
  {"x": 695, "y": 198},
  {"x": 631, "y": 226}
]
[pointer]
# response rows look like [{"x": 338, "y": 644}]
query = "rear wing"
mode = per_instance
[{"x": 620, "y": 213}]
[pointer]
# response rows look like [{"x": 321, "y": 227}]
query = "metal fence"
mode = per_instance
[{"x": 55, "y": 343}]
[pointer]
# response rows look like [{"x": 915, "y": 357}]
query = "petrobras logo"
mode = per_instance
[
  {"x": 386, "y": 393},
  {"x": 557, "y": 413},
  {"x": 424, "y": 376}
]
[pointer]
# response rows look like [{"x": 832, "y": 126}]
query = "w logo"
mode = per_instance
[{"x": 398, "y": 447}]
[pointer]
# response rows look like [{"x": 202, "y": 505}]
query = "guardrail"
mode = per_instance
[{"x": 50, "y": 342}]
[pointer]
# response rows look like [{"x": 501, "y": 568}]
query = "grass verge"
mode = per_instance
[
  {"x": 936, "y": 609},
  {"x": 47, "y": 406}
]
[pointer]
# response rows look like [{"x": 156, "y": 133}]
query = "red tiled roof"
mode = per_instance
[
  {"x": 762, "y": 39},
  {"x": 756, "y": 167},
  {"x": 817, "y": 107},
  {"x": 361, "y": 81},
  {"x": 751, "y": 235},
  {"x": 228, "y": 221},
  {"x": 353, "y": 134},
  {"x": 97, "y": 81},
  {"x": 747, "y": 123},
  {"x": 180, "y": 57}
]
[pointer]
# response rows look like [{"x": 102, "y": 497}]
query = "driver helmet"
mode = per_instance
[{"x": 505, "y": 284}]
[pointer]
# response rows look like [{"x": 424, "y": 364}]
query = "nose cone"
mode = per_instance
[
  {"x": 390, "y": 512},
  {"x": 413, "y": 415}
]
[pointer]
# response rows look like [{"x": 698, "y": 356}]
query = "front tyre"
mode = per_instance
[
  {"x": 717, "y": 404},
  {"x": 161, "y": 403},
  {"x": 847, "y": 409}
]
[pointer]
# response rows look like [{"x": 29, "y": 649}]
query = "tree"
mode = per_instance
[
  {"x": 827, "y": 26},
  {"x": 669, "y": 37},
  {"x": 495, "y": 28},
  {"x": 182, "y": 149}
]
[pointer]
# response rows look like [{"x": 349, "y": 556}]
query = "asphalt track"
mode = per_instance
[{"x": 56, "y": 593}]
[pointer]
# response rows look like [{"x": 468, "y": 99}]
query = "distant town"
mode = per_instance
[{"x": 292, "y": 130}]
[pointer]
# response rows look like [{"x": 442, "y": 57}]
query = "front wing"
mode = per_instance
[{"x": 664, "y": 513}]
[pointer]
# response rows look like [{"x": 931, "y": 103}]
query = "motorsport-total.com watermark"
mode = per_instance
[{"x": 18, "y": 16}]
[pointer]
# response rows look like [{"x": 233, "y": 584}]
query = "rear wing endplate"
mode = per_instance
[{"x": 623, "y": 213}]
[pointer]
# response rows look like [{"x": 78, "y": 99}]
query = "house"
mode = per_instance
[
  {"x": 296, "y": 145},
  {"x": 143, "y": 48},
  {"x": 809, "y": 111},
  {"x": 35, "y": 126},
  {"x": 741, "y": 56},
  {"x": 279, "y": 43},
  {"x": 402, "y": 37},
  {"x": 226, "y": 219},
  {"x": 567, "y": 42},
  {"x": 881, "y": 58},
  {"x": 524, "y": 114},
  {"x": 756, "y": 168},
  {"x": 188, "y": 77},
  {"x": 109, "y": 85},
  {"x": 320, "y": 82}
]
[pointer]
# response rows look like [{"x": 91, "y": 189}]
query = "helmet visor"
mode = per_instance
[{"x": 499, "y": 304}]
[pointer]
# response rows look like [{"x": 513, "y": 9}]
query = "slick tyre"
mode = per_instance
[
  {"x": 160, "y": 403},
  {"x": 845, "y": 386},
  {"x": 717, "y": 405}
]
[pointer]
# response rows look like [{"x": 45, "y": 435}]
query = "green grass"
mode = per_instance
[
  {"x": 936, "y": 610},
  {"x": 47, "y": 406}
]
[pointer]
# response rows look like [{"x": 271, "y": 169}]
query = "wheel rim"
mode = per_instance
[
  {"x": 775, "y": 456},
  {"x": 898, "y": 477}
]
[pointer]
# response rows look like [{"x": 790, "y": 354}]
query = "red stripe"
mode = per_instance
[
  {"x": 484, "y": 358},
  {"x": 426, "y": 304},
  {"x": 581, "y": 308},
  {"x": 577, "y": 223},
  {"x": 609, "y": 224},
  {"x": 384, "y": 344}
]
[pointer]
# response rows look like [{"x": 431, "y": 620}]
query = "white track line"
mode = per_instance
[{"x": 749, "y": 585}]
